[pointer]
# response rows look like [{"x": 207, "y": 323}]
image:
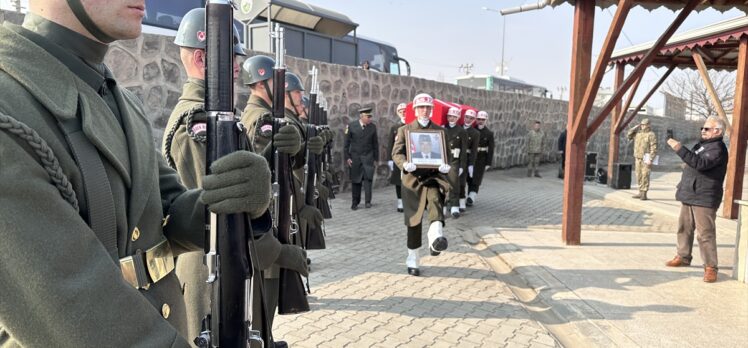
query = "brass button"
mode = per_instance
[
  {"x": 135, "y": 234},
  {"x": 165, "y": 311}
]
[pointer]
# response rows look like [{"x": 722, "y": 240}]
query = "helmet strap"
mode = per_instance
[
  {"x": 293, "y": 105},
  {"x": 77, "y": 7},
  {"x": 267, "y": 89}
]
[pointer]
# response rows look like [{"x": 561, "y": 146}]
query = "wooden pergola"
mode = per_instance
[
  {"x": 717, "y": 47},
  {"x": 584, "y": 86}
]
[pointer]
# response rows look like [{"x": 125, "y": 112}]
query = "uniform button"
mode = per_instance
[
  {"x": 135, "y": 234},
  {"x": 165, "y": 311}
]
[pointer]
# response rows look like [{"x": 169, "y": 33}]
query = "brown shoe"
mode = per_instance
[
  {"x": 710, "y": 274},
  {"x": 678, "y": 261}
]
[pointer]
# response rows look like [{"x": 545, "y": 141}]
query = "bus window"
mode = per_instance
[
  {"x": 370, "y": 51},
  {"x": 395, "y": 68}
]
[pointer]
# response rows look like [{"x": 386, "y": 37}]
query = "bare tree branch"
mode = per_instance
[{"x": 688, "y": 85}]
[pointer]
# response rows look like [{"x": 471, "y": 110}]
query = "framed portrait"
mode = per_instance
[{"x": 427, "y": 148}]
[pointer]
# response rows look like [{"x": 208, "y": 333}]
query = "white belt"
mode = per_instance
[
  {"x": 483, "y": 149},
  {"x": 456, "y": 153}
]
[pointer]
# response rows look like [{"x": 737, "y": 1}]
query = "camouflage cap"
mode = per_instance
[{"x": 645, "y": 121}]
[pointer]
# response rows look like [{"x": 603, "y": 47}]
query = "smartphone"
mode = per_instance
[{"x": 670, "y": 134}]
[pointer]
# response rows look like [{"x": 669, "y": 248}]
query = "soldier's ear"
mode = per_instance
[{"x": 198, "y": 57}]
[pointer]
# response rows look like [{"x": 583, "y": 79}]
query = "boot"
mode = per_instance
[
  {"x": 529, "y": 173},
  {"x": 399, "y": 205},
  {"x": 471, "y": 198},
  {"x": 455, "y": 212},
  {"x": 639, "y": 196},
  {"x": 537, "y": 175},
  {"x": 462, "y": 205},
  {"x": 643, "y": 195},
  {"x": 412, "y": 262},
  {"x": 437, "y": 241}
]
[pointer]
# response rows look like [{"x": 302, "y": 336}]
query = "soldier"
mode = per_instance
[
  {"x": 257, "y": 73},
  {"x": 422, "y": 188},
  {"x": 92, "y": 217},
  {"x": 473, "y": 135},
  {"x": 183, "y": 148},
  {"x": 534, "y": 149},
  {"x": 394, "y": 171},
  {"x": 457, "y": 140},
  {"x": 484, "y": 158},
  {"x": 645, "y": 150},
  {"x": 361, "y": 151}
]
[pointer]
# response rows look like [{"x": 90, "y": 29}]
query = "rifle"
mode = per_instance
[
  {"x": 228, "y": 257},
  {"x": 315, "y": 237},
  {"x": 292, "y": 298},
  {"x": 331, "y": 181}
]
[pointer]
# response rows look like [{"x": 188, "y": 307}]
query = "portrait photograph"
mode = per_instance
[{"x": 426, "y": 148}]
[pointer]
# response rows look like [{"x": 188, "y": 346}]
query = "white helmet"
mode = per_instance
[
  {"x": 470, "y": 113},
  {"x": 482, "y": 115},
  {"x": 401, "y": 106},
  {"x": 453, "y": 111},
  {"x": 423, "y": 99}
]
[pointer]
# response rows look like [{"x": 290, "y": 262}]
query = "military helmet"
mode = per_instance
[
  {"x": 470, "y": 113},
  {"x": 402, "y": 106},
  {"x": 453, "y": 111},
  {"x": 257, "y": 68},
  {"x": 293, "y": 83},
  {"x": 423, "y": 99},
  {"x": 191, "y": 32},
  {"x": 482, "y": 115}
]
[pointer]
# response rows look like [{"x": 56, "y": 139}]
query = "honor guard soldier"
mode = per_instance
[
  {"x": 483, "y": 159},
  {"x": 473, "y": 135},
  {"x": 394, "y": 170},
  {"x": 457, "y": 141},
  {"x": 361, "y": 151},
  {"x": 92, "y": 217},
  {"x": 183, "y": 148},
  {"x": 423, "y": 188},
  {"x": 645, "y": 150}
]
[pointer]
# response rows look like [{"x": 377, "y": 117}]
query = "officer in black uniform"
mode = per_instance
[{"x": 361, "y": 151}]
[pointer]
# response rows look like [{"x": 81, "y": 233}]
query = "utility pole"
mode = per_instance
[
  {"x": 467, "y": 68},
  {"x": 503, "y": 38}
]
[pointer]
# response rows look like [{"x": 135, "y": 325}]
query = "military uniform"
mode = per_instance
[
  {"x": 457, "y": 141},
  {"x": 645, "y": 142},
  {"x": 362, "y": 148},
  {"x": 473, "y": 136},
  {"x": 534, "y": 151},
  {"x": 395, "y": 173},
  {"x": 483, "y": 159},
  {"x": 61, "y": 287}
]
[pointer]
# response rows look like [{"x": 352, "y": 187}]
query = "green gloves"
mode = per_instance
[
  {"x": 315, "y": 145},
  {"x": 324, "y": 193},
  {"x": 310, "y": 215},
  {"x": 327, "y": 135},
  {"x": 294, "y": 258},
  {"x": 288, "y": 139},
  {"x": 239, "y": 183},
  {"x": 268, "y": 250}
]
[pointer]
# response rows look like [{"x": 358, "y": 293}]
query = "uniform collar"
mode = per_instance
[
  {"x": 256, "y": 100},
  {"x": 193, "y": 90}
]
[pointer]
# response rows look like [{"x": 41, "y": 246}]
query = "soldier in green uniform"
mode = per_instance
[
  {"x": 361, "y": 151},
  {"x": 423, "y": 188},
  {"x": 472, "y": 153},
  {"x": 394, "y": 170},
  {"x": 183, "y": 147},
  {"x": 457, "y": 140},
  {"x": 534, "y": 149},
  {"x": 92, "y": 217},
  {"x": 645, "y": 150},
  {"x": 483, "y": 159}
]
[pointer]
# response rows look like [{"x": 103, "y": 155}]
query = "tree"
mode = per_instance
[{"x": 688, "y": 85}]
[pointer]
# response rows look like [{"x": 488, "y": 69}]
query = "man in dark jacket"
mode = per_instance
[
  {"x": 361, "y": 150},
  {"x": 562, "y": 153},
  {"x": 700, "y": 192}
]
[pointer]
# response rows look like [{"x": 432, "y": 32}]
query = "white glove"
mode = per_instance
[
  {"x": 409, "y": 167},
  {"x": 459, "y": 173},
  {"x": 470, "y": 171},
  {"x": 391, "y": 164},
  {"x": 487, "y": 168},
  {"x": 444, "y": 168}
]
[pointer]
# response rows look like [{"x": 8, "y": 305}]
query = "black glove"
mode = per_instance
[
  {"x": 315, "y": 145},
  {"x": 287, "y": 140},
  {"x": 239, "y": 183},
  {"x": 294, "y": 258}
]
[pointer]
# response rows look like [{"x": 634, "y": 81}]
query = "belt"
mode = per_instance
[
  {"x": 468, "y": 151},
  {"x": 146, "y": 268},
  {"x": 483, "y": 149}
]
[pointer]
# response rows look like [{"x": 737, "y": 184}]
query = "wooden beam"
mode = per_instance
[
  {"x": 614, "y": 142},
  {"x": 622, "y": 116},
  {"x": 643, "y": 64},
  {"x": 646, "y": 99},
  {"x": 704, "y": 54},
  {"x": 736, "y": 160},
  {"x": 580, "y": 121},
  {"x": 712, "y": 92},
  {"x": 581, "y": 60}
]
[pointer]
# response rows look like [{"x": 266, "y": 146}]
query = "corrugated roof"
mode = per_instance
[{"x": 720, "y": 5}]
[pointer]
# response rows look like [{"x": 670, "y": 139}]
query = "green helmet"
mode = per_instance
[
  {"x": 191, "y": 32},
  {"x": 256, "y": 69},
  {"x": 293, "y": 83}
]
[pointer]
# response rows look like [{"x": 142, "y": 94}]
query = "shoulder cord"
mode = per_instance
[
  {"x": 185, "y": 117},
  {"x": 46, "y": 155}
]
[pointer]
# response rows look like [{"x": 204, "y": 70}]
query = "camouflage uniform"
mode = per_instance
[
  {"x": 534, "y": 150},
  {"x": 645, "y": 142}
]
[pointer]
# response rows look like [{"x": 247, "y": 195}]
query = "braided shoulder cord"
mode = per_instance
[
  {"x": 187, "y": 118},
  {"x": 46, "y": 156}
]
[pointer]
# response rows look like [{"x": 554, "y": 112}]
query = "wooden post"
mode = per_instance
[
  {"x": 624, "y": 123},
  {"x": 698, "y": 59},
  {"x": 614, "y": 143},
  {"x": 581, "y": 62},
  {"x": 626, "y": 106},
  {"x": 736, "y": 161}
]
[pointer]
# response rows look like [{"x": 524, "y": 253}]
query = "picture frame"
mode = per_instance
[{"x": 426, "y": 148}]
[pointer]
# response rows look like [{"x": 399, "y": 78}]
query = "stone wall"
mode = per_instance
[{"x": 150, "y": 67}]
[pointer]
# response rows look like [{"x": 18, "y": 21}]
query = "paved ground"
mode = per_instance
[{"x": 507, "y": 280}]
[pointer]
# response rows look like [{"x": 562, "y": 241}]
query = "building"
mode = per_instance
[{"x": 503, "y": 83}]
